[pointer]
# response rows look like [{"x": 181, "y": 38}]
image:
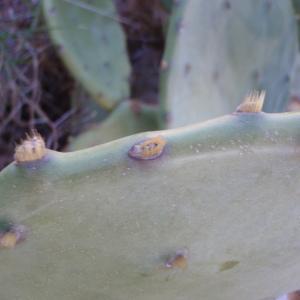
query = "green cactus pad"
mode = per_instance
[
  {"x": 92, "y": 44},
  {"x": 218, "y": 50},
  {"x": 128, "y": 118},
  {"x": 296, "y": 5},
  {"x": 167, "y": 4},
  {"x": 215, "y": 216}
]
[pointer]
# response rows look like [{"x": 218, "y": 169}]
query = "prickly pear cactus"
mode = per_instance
[
  {"x": 92, "y": 44},
  {"x": 128, "y": 118},
  {"x": 219, "y": 50},
  {"x": 209, "y": 211},
  {"x": 296, "y": 5}
]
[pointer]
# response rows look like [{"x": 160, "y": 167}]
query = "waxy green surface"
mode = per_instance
[{"x": 102, "y": 225}]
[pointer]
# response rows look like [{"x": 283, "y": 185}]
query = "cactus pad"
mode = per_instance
[
  {"x": 92, "y": 44},
  {"x": 215, "y": 216},
  {"x": 217, "y": 51}
]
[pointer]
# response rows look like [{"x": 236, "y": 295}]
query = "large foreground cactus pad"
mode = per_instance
[{"x": 213, "y": 215}]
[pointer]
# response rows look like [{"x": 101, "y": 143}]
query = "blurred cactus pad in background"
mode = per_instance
[{"x": 149, "y": 149}]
